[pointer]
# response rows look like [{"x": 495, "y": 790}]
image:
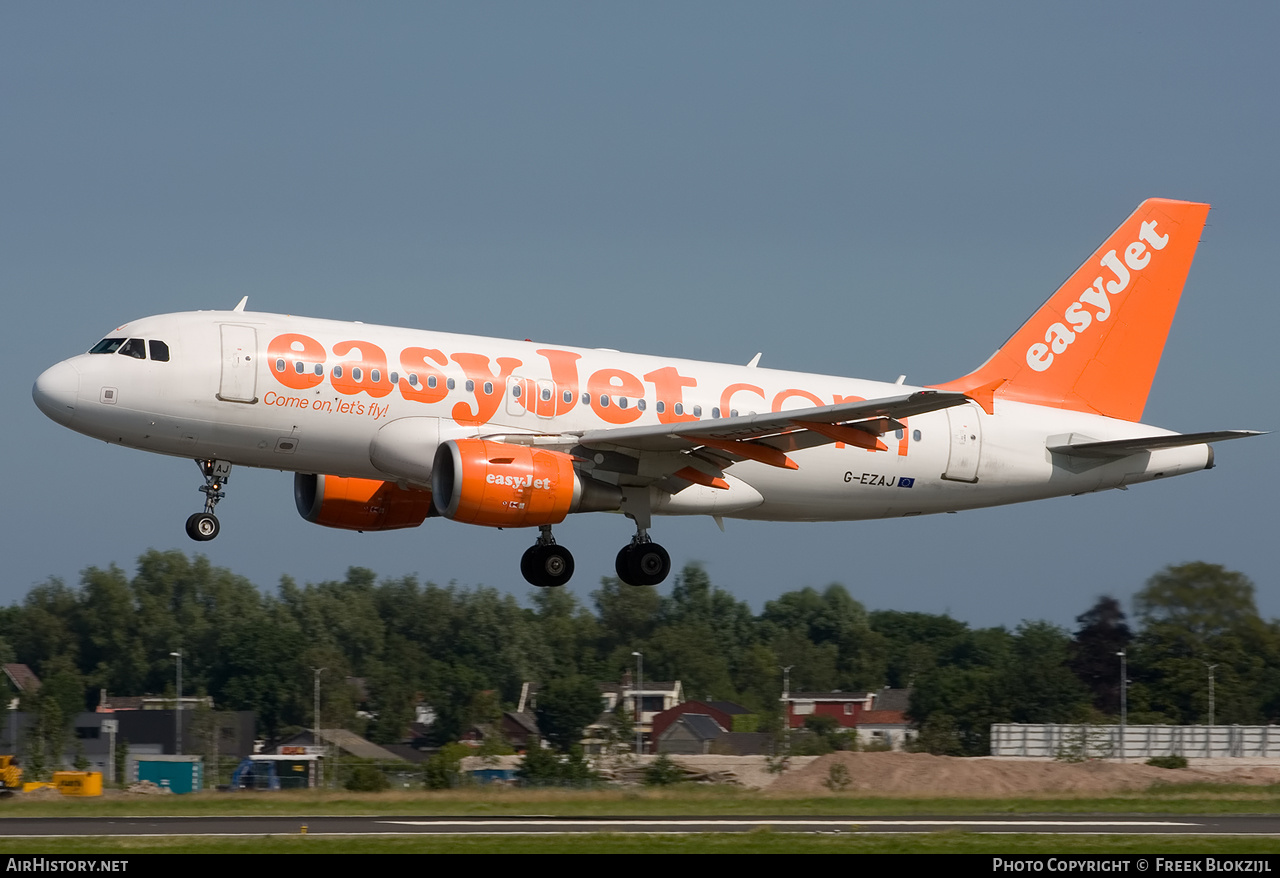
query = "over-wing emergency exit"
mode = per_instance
[{"x": 385, "y": 427}]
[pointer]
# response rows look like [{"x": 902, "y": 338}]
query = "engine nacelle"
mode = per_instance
[
  {"x": 477, "y": 481},
  {"x": 359, "y": 504}
]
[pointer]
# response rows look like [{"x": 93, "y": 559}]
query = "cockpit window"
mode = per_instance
[
  {"x": 134, "y": 347},
  {"x": 159, "y": 351},
  {"x": 107, "y": 346}
]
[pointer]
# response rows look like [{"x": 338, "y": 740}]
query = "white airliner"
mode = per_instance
[{"x": 385, "y": 427}]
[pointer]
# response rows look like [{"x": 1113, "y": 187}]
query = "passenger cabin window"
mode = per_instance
[
  {"x": 134, "y": 347},
  {"x": 107, "y": 346},
  {"x": 159, "y": 351}
]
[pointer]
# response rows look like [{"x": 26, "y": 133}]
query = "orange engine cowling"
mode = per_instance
[
  {"x": 359, "y": 504},
  {"x": 477, "y": 481}
]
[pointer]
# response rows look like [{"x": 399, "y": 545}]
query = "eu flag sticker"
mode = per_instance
[{"x": 905, "y": 482}]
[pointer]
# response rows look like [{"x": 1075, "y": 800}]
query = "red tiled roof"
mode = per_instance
[{"x": 882, "y": 718}]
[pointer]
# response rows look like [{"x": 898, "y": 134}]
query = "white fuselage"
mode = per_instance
[{"x": 320, "y": 396}]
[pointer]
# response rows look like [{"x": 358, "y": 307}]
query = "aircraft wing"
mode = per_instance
[
  {"x": 673, "y": 456},
  {"x": 764, "y": 427},
  {"x": 1126, "y": 447}
]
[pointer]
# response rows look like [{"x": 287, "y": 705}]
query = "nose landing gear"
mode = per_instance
[{"x": 203, "y": 526}]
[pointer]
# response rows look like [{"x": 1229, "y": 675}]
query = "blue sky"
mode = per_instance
[{"x": 853, "y": 189}]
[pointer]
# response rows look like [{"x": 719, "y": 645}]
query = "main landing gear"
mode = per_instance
[
  {"x": 203, "y": 526},
  {"x": 642, "y": 561},
  {"x": 547, "y": 564}
]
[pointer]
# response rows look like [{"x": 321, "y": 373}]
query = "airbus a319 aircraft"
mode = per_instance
[{"x": 385, "y": 427}]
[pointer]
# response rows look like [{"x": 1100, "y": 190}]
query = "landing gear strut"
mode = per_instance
[
  {"x": 642, "y": 561},
  {"x": 546, "y": 564},
  {"x": 203, "y": 526}
]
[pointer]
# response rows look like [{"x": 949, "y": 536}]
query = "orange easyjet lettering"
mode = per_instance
[
  {"x": 616, "y": 396},
  {"x": 487, "y": 387},
  {"x": 293, "y": 357}
]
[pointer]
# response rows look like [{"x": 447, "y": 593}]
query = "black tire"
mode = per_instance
[
  {"x": 649, "y": 563},
  {"x": 529, "y": 565},
  {"x": 555, "y": 566},
  {"x": 622, "y": 565},
  {"x": 203, "y": 526}
]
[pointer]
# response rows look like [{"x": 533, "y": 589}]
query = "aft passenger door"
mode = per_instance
[{"x": 966, "y": 443}]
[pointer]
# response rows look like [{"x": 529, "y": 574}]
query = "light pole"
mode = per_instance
[
  {"x": 639, "y": 701},
  {"x": 786, "y": 713},
  {"x": 315, "y": 717},
  {"x": 1124, "y": 697},
  {"x": 1210, "y": 667},
  {"x": 177, "y": 713}
]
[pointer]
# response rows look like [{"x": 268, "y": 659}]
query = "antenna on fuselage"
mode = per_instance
[{"x": 240, "y": 306}]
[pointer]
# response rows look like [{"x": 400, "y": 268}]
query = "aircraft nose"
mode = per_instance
[{"x": 55, "y": 391}]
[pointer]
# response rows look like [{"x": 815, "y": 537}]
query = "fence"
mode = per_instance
[{"x": 1056, "y": 741}]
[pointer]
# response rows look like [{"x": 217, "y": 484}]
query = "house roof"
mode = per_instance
[
  {"x": 702, "y": 726},
  {"x": 526, "y": 721},
  {"x": 348, "y": 742},
  {"x": 408, "y": 752},
  {"x": 892, "y": 699},
  {"x": 882, "y": 718},
  {"x": 728, "y": 707},
  {"x": 22, "y": 677}
]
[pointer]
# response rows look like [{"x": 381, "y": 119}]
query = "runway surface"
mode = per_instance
[{"x": 56, "y": 827}]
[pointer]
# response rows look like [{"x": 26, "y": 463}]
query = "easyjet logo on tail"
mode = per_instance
[{"x": 1059, "y": 336}]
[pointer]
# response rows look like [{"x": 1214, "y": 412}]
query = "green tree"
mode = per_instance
[
  {"x": 565, "y": 708},
  {"x": 1094, "y": 654},
  {"x": 915, "y": 643},
  {"x": 1195, "y": 616},
  {"x": 542, "y": 766},
  {"x": 1038, "y": 686},
  {"x": 443, "y": 771}
]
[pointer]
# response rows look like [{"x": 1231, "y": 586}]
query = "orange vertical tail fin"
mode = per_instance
[{"x": 1095, "y": 344}]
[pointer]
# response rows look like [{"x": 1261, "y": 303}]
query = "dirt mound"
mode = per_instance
[{"x": 922, "y": 774}]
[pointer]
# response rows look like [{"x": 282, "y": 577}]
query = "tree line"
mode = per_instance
[{"x": 388, "y": 645}]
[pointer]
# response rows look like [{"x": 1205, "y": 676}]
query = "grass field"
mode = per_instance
[
  {"x": 701, "y": 801},
  {"x": 1170, "y": 800},
  {"x": 758, "y": 842}
]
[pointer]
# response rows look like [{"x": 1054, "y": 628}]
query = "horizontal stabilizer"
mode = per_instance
[{"x": 1126, "y": 447}]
